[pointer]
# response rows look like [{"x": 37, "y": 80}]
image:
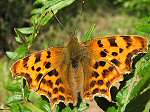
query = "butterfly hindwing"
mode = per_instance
[
  {"x": 44, "y": 72},
  {"x": 109, "y": 59}
]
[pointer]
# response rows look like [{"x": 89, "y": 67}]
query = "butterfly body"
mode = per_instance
[
  {"x": 75, "y": 66},
  {"x": 86, "y": 69}
]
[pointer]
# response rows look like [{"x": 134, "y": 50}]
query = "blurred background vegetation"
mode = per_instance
[{"x": 110, "y": 17}]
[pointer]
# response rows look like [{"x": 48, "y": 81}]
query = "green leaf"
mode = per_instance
[
  {"x": 41, "y": 16},
  {"x": 123, "y": 95},
  {"x": 142, "y": 70},
  {"x": 33, "y": 97},
  {"x": 14, "y": 98},
  {"x": 89, "y": 34},
  {"x": 147, "y": 107},
  {"x": 67, "y": 109},
  {"x": 82, "y": 107},
  {"x": 26, "y": 30},
  {"x": 142, "y": 84},
  {"x": 46, "y": 18},
  {"x": 24, "y": 109},
  {"x": 13, "y": 87},
  {"x": 21, "y": 51},
  {"x": 57, "y": 108},
  {"x": 22, "y": 34},
  {"x": 143, "y": 27},
  {"x": 136, "y": 85},
  {"x": 36, "y": 11},
  {"x": 44, "y": 105},
  {"x": 15, "y": 107},
  {"x": 40, "y": 2},
  {"x": 18, "y": 39},
  {"x": 11, "y": 55},
  {"x": 138, "y": 103},
  {"x": 25, "y": 89},
  {"x": 112, "y": 109}
]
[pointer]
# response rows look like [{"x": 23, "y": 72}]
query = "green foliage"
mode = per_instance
[
  {"x": 138, "y": 7},
  {"x": 88, "y": 35},
  {"x": 143, "y": 27},
  {"x": 13, "y": 13},
  {"x": 40, "y": 16}
]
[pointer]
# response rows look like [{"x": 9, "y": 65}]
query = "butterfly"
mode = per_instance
[{"x": 85, "y": 69}]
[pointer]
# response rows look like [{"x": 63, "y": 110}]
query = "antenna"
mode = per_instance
[
  {"x": 82, "y": 6},
  {"x": 74, "y": 27},
  {"x": 62, "y": 26}
]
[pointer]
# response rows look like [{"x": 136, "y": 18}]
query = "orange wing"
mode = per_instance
[
  {"x": 109, "y": 59},
  {"x": 45, "y": 73}
]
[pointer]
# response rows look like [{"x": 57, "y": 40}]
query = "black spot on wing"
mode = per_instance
[
  {"x": 103, "y": 91},
  {"x": 55, "y": 90},
  {"x": 114, "y": 53},
  {"x": 49, "y": 83},
  {"x": 99, "y": 43},
  {"x": 116, "y": 62},
  {"x": 39, "y": 76},
  {"x": 43, "y": 81},
  {"x": 55, "y": 100},
  {"x": 58, "y": 81},
  {"x": 47, "y": 65},
  {"x": 25, "y": 62},
  {"x": 53, "y": 72},
  {"x": 112, "y": 42},
  {"x": 120, "y": 50},
  {"x": 96, "y": 65},
  {"x": 100, "y": 63},
  {"x": 32, "y": 68},
  {"x": 92, "y": 84},
  {"x": 100, "y": 82},
  {"x": 142, "y": 41},
  {"x": 108, "y": 84},
  {"x": 103, "y": 54},
  {"x": 105, "y": 50},
  {"x": 95, "y": 74},
  {"x": 48, "y": 54},
  {"x": 37, "y": 57},
  {"x": 128, "y": 45},
  {"x": 111, "y": 68},
  {"x": 28, "y": 78},
  {"x": 38, "y": 69},
  {"x": 49, "y": 94},
  {"x": 129, "y": 57},
  {"x": 105, "y": 73},
  {"x": 61, "y": 89},
  {"x": 128, "y": 41},
  {"x": 61, "y": 97},
  {"x": 126, "y": 38},
  {"x": 96, "y": 90}
]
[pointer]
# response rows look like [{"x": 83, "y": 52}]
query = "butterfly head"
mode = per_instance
[{"x": 73, "y": 43}]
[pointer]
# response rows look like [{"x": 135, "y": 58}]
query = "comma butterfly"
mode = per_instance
[{"x": 87, "y": 69}]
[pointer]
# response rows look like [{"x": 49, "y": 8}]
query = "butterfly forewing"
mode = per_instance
[
  {"x": 45, "y": 73},
  {"x": 110, "y": 58}
]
